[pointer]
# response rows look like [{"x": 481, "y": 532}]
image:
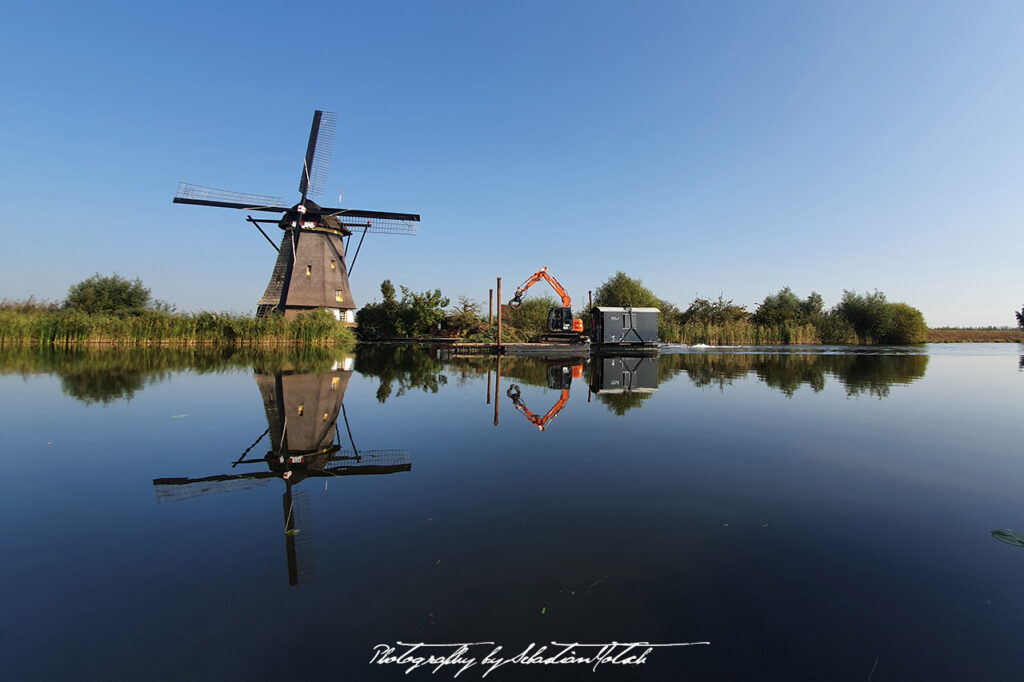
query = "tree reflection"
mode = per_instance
[{"x": 860, "y": 373}]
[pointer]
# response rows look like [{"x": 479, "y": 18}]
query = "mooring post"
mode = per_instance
[
  {"x": 490, "y": 306},
  {"x": 497, "y": 374},
  {"x": 590, "y": 295},
  {"x": 499, "y": 322},
  {"x": 488, "y": 385}
]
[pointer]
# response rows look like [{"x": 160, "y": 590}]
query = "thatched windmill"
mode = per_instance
[
  {"x": 302, "y": 420},
  {"x": 310, "y": 271}
]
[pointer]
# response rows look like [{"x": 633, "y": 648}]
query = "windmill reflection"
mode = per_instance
[{"x": 306, "y": 442}]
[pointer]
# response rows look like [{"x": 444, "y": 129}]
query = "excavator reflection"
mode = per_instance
[
  {"x": 302, "y": 421},
  {"x": 621, "y": 383},
  {"x": 560, "y": 378}
]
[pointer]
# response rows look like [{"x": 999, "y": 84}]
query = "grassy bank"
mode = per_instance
[
  {"x": 951, "y": 335},
  {"x": 69, "y": 328}
]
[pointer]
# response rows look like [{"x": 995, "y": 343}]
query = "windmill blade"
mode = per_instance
[
  {"x": 380, "y": 222},
  {"x": 208, "y": 196},
  {"x": 369, "y": 462},
  {"x": 318, "y": 153},
  {"x": 176, "y": 489}
]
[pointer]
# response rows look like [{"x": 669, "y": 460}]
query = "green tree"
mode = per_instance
[
  {"x": 785, "y": 308},
  {"x": 420, "y": 314},
  {"x": 379, "y": 320},
  {"x": 1020, "y": 318},
  {"x": 873, "y": 319},
  {"x": 416, "y": 314},
  {"x": 531, "y": 318},
  {"x": 465, "y": 317},
  {"x": 622, "y": 290},
  {"x": 708, "y": 312},
  {"x": 113, "y": 294}
]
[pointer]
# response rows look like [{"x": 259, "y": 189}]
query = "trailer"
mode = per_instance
[{"x": 624, "y": 328}]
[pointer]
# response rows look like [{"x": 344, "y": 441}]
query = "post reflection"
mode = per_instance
[{"x": 306, "y": 441}]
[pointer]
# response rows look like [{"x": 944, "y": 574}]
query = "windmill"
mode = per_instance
[
  {"x": 310, "y": 272},
  {"x": 302, "y": 420}
]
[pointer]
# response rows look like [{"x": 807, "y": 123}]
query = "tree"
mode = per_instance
[
  {"x": 1020, "y": 318},
  {"x": 420, "y": 313},
  {"x": 707, "y": 312},
  {"x": 785, "y": 308},
  {"x": 113, "y": 294},
  {"x": 622, "y": 290},
  {"x": 531, "y": 317},
  {"x": 465, "y": 316},
  {"x": 416, "y": 314},
  {"x": 875, "y": 320}
]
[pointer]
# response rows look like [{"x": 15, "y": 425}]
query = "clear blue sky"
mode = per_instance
[{"x": 705, "y": 147}]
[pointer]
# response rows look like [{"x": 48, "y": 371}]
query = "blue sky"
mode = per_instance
[{"x": 706, "y": 148}]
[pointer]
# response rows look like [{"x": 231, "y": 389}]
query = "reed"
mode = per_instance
[
  {"x": 739, "y": 333},
  {"x": 68, "y": 328}
]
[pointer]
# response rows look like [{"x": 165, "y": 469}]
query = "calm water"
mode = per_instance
[{"x": 814, "y": 515}]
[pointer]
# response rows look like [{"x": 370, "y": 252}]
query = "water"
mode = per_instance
[{"x": 814, "y": 514}]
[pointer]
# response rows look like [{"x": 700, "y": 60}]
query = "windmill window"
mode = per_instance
[
  {"x": 326, "y": 417},
  {"x": 334, "y": 383},
  {"x": 332, "y": 264},
  {"x": 337, "y": 295},
  {"x": 300, "y": 410},
  {"x": 309, "y": 270}
]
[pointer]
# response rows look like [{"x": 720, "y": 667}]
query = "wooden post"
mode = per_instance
[
  {"x": 488, "y": 386},
  {"x": 490, "y": 306},
  {"x": 499, "y": 323},
  {"x": 590, "y": 295},
  {"x": 497, "y": 376}
]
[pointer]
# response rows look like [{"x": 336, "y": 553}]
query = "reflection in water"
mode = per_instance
[
  {"x": 401, "y": 368},
  {"x": 559, "y": 378},
  {"x": 103, "y": 376},
  {"x": 623, "y": 383},
  {"x": 302, "y": 420},
  {"x": 858, "y": 372}
]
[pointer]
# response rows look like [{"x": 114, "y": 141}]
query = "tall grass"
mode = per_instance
[
  {"x": 740, "y": 333},
  {"x": 66, "y": 328}
]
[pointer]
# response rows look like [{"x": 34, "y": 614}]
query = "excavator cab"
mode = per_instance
[
  {"x": 559, "y": 320},
  {"x": 560, "y": 376}
]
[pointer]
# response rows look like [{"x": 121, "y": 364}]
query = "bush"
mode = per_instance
[
  {"x": 874, "y": 320},
  {"x": 707, "y": 312},
  {"x": 113, "y": 294},
  {"x": 784, "y": 308},
  {"x": 531, "y": 318},
  {"x": 416, "y": 314},
  {"x": 622, "y": 290}
]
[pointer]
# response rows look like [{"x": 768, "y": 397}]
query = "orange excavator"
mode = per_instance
[
  {"x": 561, "y": 324},
  {"x": 559, "y": 377}
]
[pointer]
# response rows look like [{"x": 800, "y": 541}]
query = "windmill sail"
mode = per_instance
[
  {"x": 318, "y": 153},
  {"x": 208, "y": 196}
]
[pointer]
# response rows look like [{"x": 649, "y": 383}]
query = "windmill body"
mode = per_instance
[{"x": 311, "y": 271}]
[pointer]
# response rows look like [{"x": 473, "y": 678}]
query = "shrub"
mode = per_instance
[
  {"x": 622, "y": 290},
  {"x": 416, "y": 314},
  {"x": 113, "y": 294},
  {"x": 785, "y": 308}
]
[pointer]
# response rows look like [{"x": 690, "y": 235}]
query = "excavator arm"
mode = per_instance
[
  {"x": 542, "y": 274},
  {"x": 540, "y": 422}
]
